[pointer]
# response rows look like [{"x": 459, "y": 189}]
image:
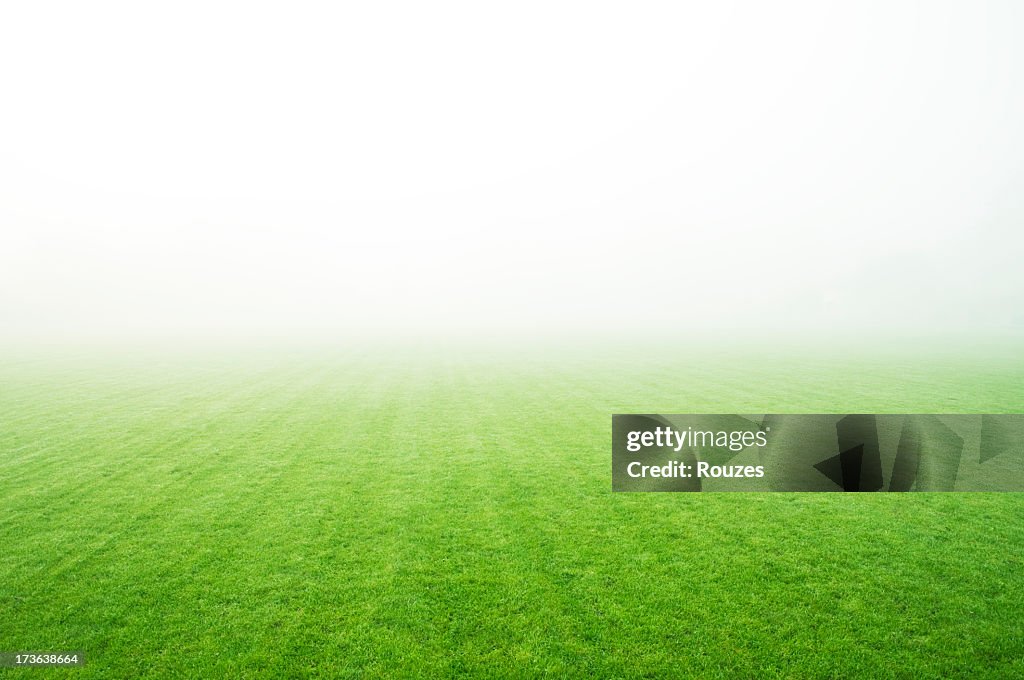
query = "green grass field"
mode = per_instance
[{"x": 354, "y": 513}]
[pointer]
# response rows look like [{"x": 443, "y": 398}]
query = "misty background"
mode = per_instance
[{"x": 217, "y": 168}]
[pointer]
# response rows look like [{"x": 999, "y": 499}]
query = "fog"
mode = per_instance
[{"x": 433, "y": 168}]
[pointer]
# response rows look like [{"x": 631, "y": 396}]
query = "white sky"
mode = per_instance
[{"x": 430, "y": 167}]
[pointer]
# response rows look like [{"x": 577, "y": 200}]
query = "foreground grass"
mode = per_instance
[{"x": 417, "y": 515}]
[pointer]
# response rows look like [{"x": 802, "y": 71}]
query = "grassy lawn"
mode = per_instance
[{"x": 336, "y": 513}]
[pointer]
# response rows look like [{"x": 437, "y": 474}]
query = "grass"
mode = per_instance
[{"x": 422, "y": 514}]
